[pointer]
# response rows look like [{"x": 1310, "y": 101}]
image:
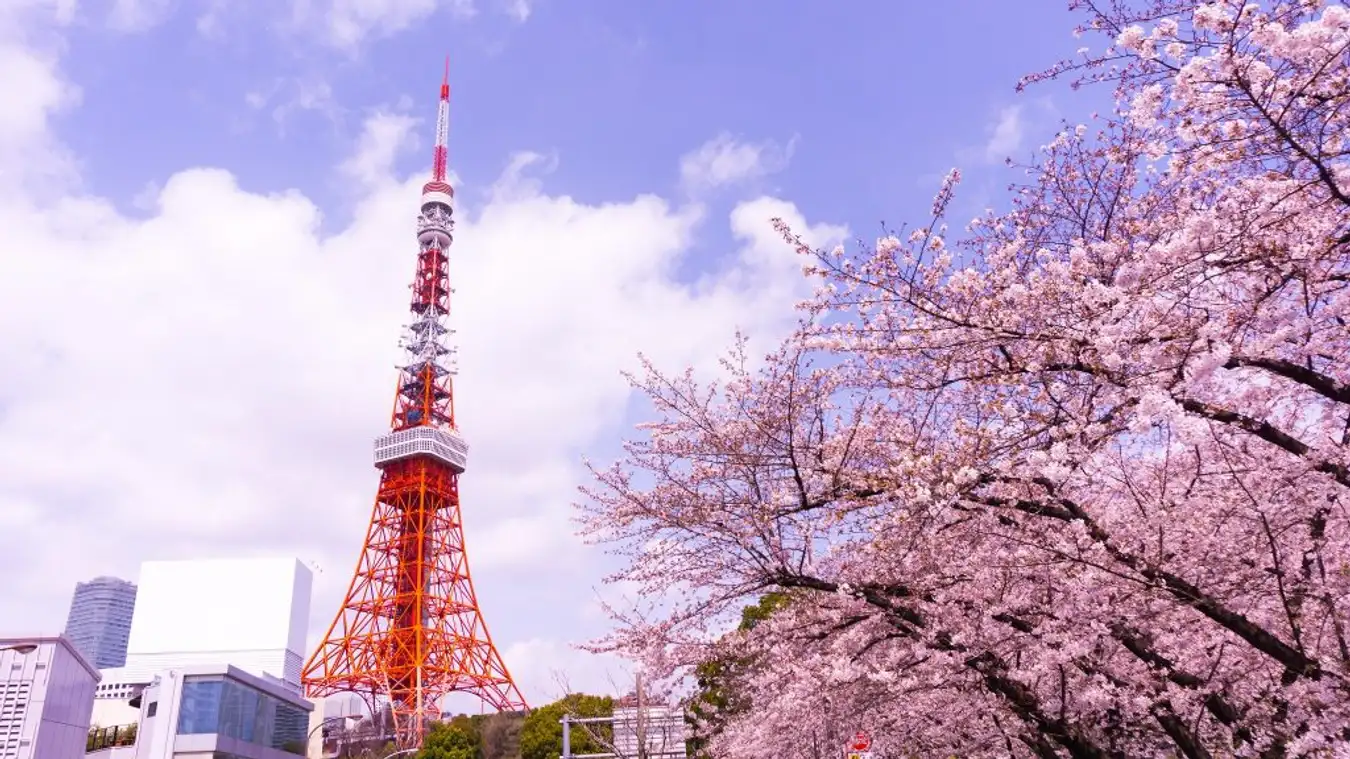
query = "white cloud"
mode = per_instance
[
  {"x": 137, "y": 15},
  {"x": 546, "y": 669},
  {"x": 294, "y": 95},
  {"x": 384, "y": 138},
  {"x": 724, "y": 160},
  {"x": 520, "y": 10},
  {"x": 60, "y": 12},
  {"x": 348, "y": 23},
  {"x": 515, "y": 184},
  {"x": 34, "y": 92},
  {"x": 1005, "y": 138},
  {"x": 210, "y": 23},
  {"x": 204, "y": 378},
  {"x": 1005, "y": 135}
]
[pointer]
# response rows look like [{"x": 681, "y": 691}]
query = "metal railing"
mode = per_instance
[{"x": 107, "y": 737}]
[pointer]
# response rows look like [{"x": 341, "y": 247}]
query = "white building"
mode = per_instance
[
  {"x": 343, "y": 705},
  {"x": 663, "y": 728},
  {"x": 46, "y": 696},
  {"x": 216, "y": 711},
  {"x": 249, "y": 613},
  {"x": 119, "y": 685},
  {"x": 112, "y": 713}
]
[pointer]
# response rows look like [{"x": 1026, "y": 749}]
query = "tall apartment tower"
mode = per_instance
[{"x": 99, "y": 624}]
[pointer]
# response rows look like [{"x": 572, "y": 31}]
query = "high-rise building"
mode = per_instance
[
  {"x": 46, "y": 697},
  {"x": 251, "y": 614},
  {"x": 100, "y": 620}
]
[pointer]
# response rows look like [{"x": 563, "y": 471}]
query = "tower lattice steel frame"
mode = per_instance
[{"x": 410, "y": 630}]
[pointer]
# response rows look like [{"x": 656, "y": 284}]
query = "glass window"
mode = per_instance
[
  {"x": 248, "y": 715},
  {"x": 230, "y": 697},
  {"x": 236, "y": 710},
  {"x": 240, "y": 713},
  {"x": 200, "y": 711},
  {"x": 264, "y": 717},
  {"x": 292, "y": 725}
]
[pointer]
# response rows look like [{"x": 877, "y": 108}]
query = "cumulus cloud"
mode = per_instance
[
  {"x": 34, "y": 93},
  {"x": 347, "y": 23},
  {"x": 137, "y": 15},
  {"x": 1007, "y": 130},
  {"x": 552, "y": 669},
  {"x": 519, "y": 10},
  {"x": 210, "y": 22},
  {"x": 724, "y": 160},
  {"x": 1005, "y": 137},
  {"x": 289, "y": 96},
  {"x": 384, "y": 137},
  {"x": 204, "y": 378}
]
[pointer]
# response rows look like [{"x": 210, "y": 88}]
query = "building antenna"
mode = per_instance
[{"x": 440, "y": 160}]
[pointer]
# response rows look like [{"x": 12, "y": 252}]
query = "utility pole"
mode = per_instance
[
  {"x": 636, "y": 719},
  {"x": 641, "y": 720},
  {"x": 568, "y": 721}
]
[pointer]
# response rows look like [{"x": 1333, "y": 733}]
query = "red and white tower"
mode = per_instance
[{"x": 410, "y": 630}]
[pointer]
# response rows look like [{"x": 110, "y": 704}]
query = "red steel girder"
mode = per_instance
[{"x": 410, "y": 630}]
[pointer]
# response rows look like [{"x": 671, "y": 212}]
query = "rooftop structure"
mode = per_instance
[{"x": 249, "y": 613}]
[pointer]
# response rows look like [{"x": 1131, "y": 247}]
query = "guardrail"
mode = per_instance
[{"x": 107, "y": 737}]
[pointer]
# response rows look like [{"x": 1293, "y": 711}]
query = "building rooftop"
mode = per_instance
[
  {"x": 265, "y": 685},
  {"x": 57, "y": 640}
]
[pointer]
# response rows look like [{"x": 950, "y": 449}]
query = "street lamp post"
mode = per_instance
[
  {"x": 22, "y": 649},
  {"x": 318, "y": 727}
]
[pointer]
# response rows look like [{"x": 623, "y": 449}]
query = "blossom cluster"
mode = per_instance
[{"x": 1073, "y": 485}]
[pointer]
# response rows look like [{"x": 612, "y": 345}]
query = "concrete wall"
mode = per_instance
[{"x": 113, "y": 752}]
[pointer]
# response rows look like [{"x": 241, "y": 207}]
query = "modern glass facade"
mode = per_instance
[
  {"x": 100, "y": 620},
  {"x": 219, "y": 705}
]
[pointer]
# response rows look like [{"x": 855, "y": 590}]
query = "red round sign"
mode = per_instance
[{"x": 861, "y": 742}]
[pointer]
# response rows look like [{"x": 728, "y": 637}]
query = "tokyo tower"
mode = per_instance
[{"x": 410, "y": 631}]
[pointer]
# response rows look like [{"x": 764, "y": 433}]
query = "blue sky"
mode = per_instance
[
  {"x": 222, "y": 340},
  {"x": 883, "y": 97}
]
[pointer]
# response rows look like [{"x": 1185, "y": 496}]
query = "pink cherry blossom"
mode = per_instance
[{"x": 1072, "y": 485}]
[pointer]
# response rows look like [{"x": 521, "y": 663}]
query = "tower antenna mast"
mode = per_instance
[{"x": 440, "y": 160}]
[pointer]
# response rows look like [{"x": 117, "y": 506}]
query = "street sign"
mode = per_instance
[
  {"x": 860, "y": 755},
  {"x": 861, "y": 742}
]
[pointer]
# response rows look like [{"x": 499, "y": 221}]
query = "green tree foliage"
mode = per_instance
[
  {"x": 456, "y": 739},
  {"x": 500, "y": 734},
  {"x": 541, "y": 736},
  {"x": 716, "y": 699}
]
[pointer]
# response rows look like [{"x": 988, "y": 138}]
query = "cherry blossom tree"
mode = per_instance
[{"x": 1073, "y": 485}]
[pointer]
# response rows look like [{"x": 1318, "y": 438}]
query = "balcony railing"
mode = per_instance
[{"x": 107, "y": 737}]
